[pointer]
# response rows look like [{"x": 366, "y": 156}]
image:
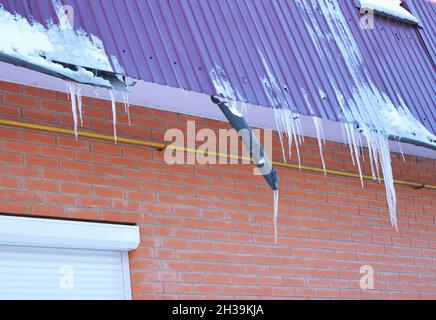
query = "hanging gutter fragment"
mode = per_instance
[
  {"x": 251, "y": 142},
  {"x": 228, "y": 100},
  {"x": 255, "y": 149}
]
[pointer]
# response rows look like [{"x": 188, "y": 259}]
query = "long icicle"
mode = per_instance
[
  {"x": 126, "y": 105},
  {"x": 276, "y": 210},
  {"x": 79, "y": 102},
  {"x": 401, "y": 151},
  {"x": 114, "y": 114},
  {"x": 370, "y": 153},
  {"x": 72, "y": 92},
  {"x": 321, "y": 141},
  {"x": 280, "y": 133},
  {"x": 356, "y": 150}
]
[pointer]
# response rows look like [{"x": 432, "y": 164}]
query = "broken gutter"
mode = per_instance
[
  {"x": 417, "y": 143},
  {"x": 68, "y": 72},
  {"x": 428, "y": 145},
  {"x": 251, "y": 142},
  {"x": 58, "y": 50}
]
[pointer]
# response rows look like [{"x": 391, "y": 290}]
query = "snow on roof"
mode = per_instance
[
  {"x": 52, "y": 48},
  {"x": 391, "y": 8}
]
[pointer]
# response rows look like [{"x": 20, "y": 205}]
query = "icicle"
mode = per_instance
[
  {"x": 359, "y": 142},
  {"x": 356, "y": 151},
  {"x": 287, "y": 123},
  {"x": 126, "y": 105},
  {"x": 386, "y": 166},
  {"x": 276, "y": 210},
  {"x": 376, "y": 160},
  {"x": 67, "y": 88},
  {"x": 72, "y": 93},
  {"x": 346, "y": 127},
  {"x": 365, "y": 104},
  {"x": 401, "y": 151},
  {"x": 79, "y": 102},
  {"x": 114, "y": 114},
  {"x": 321, "y": 141},
  {"x": 294, "y": 132},
  {"x": 280, "y": 133},
  {"x": 371, "y": 158},
  {"x": 299, "y": 129}
]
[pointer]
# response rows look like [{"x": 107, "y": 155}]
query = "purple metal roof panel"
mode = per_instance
[
  {"x": 178, "y": 42},
  {"x": 426, "y": 11}
]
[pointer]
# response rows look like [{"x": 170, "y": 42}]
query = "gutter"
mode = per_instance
[
  {"x": 112, "y": 77},
  {"x": 414, "y": 142},
  {"x": 251, "y": 142}
]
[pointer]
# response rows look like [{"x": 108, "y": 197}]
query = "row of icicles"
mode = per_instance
[
  {"x": 289, "y": 127},
  {"x": 75, "y": 97}
]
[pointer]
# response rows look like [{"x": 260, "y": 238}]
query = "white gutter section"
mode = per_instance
[
  {"x": 37, "y": 232},
  {"x": 152, "y": 95}
]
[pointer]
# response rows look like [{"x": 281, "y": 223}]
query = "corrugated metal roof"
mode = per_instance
[
  {"x": 178, "y": 42},
  {"x": 426, "y": 11}
]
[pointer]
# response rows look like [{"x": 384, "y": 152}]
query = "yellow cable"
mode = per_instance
[{"x": 161, "y": 146}]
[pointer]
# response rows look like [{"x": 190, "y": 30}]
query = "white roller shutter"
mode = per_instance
[{"x": 54, "y": 268}]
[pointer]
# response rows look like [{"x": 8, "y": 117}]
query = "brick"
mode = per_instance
[
  {"x": 9, "y": 182},
  {"x": 44, "y": 162},
  {"x": 57, "y": 152},
  {"x": 14, "y": 207},
  {"x": 39, "y": 92},
  {"x": 94, "y": 203},
  {"x": 39, "y": 138},
  {"x": 140, "y": 196},
  {"x": 48, "y": 211},
  {"x": 39, "y": 115},
  {"x": 106, "y": 192},
  {"x": 60, "y": 199},
  {"x": 41, "y": 185},
  {"x": 20, "y": 100},
  {"x": 7, "y": 133},
  {"x": 10, "y": 111},
  {"x": 11, "y": 158},
  {"x": 91, "y": 157},
  {"x": 126, "y": 205},
  {"x": 105, "y": 148},
  {"x": 9, "y": 86},
  {"x": 21, "y": 147}
]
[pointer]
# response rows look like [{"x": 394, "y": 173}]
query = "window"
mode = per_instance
[{"x": 59, "y": 259}]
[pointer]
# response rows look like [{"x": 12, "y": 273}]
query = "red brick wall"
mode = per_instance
[{"x": 206, "y": 231}]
